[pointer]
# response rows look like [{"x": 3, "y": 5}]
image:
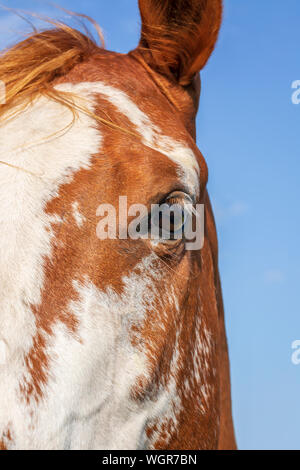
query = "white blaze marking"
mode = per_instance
[
  {"x": 3, "y": 353},
  {"x": 26, "y": 233},
  {"x": 150, "y": 133}
]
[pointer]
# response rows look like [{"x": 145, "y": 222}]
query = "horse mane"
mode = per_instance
[{"x": 31, "y": 67}]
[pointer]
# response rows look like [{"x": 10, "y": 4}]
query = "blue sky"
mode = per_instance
[{"x": 248, "y": 131}]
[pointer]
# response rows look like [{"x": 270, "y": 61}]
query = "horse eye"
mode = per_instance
[
  {"x": 177, "y": 219},
  {"x": 167, "y": 220}
]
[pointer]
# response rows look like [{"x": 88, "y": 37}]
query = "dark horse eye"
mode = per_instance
[
  {"x": 167, "y": 220},
  {"x": 177, "y": 219}
]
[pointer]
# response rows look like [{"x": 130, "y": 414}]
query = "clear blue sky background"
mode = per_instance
[{"x": 248, "y": 130}]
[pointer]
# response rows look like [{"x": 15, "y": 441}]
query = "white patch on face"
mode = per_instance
[
  {"x": 87, "y": 402},
  {"x": 79, "y": 218},
  {"x": 3, "y": 353},
  {"x": 34, "y": 140},
  {"x": 150, "y": 133},
  {"x": 201, "y": 364},
  {"x": 169, "y": 405}
]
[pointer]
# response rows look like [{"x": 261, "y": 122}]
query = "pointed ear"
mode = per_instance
[{"x": 178, "y": 36}]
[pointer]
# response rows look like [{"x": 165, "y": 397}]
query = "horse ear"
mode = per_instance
[{"x": 178, "y": 36}]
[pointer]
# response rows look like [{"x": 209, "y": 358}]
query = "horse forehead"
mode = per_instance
[{"x": 151, "y": 134}]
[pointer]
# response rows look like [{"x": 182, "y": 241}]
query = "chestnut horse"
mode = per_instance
[{"x": 117, "y": 343}]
